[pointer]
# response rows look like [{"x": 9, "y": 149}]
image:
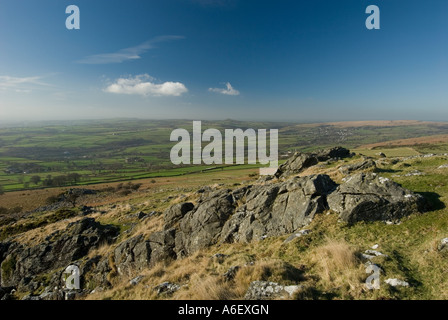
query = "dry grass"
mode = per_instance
[
  {"x": 29, "y": 199},
  {"x": 201, "y": 276},
  {"x": 332, "y": 172},
  {"x": 335, "y": 257},
  {"x": 207, "y": 287},
  {"x": 149, "y": 226},
  {"x": 432, "y": 264},
  {"x": 102, "y": 250},
  {"x": 338, "y": 266}
]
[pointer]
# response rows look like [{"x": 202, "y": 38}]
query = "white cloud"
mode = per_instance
[
  {"x": 229, "y": 90},
  {"x": 132, "y": 53},
  {"x": 23, "y": 91},
  {"x": 8, "y": 81},
  {"x": 144, "y": 85},
  {"x": 21, "y": 84}
]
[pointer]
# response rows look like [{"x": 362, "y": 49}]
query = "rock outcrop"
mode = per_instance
[
  {"x": 296, "y": 164},
  {"x": 166, "y": 288},
  {"x": 132, "y": 255},
  {"x": 369, "y": 197},
  {"x": 301, "y": 161},
  {"x": 174, "y": 213},
  {"x": 278, "y": 208},
  {"x": 365, "y": 165},
  {"x": 162, "y": 246},
  {"x": 335, "y": 153},
  {"x": 57, "y": 251},
  {"x": 202, "y": 226},
  {"x": 252, "y": 212}
]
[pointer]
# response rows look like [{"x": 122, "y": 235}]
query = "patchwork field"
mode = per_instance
[{"x": 42, "y": 155}]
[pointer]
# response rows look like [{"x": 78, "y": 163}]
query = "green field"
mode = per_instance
[{"x": 115, "y": 150}]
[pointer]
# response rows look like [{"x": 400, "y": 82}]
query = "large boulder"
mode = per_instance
[
  {"x": 365, "y": 165},
  {"x": 94, "y": 273},
  {"x": 369, "y": 197},
  {"x": 301, "y": 161},
  {"x": 333, "y": 153},
  {"x": 201, "y": 227},
  {"x": 251, "y": 213},
  {"x": 162, "y": 245},
  {"x": 132, "y": 255},
  {"x": 176, "y": 212},
  {"x": 279, "y": 208},
  {"x": 296, "y": 164}
]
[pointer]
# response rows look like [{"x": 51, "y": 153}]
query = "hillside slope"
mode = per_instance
[{"x": 310, "y": 233}]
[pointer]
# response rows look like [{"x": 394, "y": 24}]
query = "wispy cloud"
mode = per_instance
[
  {"x": 132, "y": 53},
  {"x": 145, "y": 85},
  {"x": 21, "y": 84},
  {"x": 229, "y": 90}
]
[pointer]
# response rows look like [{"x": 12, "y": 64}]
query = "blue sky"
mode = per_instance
[{"x": 218, "y": 59}]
